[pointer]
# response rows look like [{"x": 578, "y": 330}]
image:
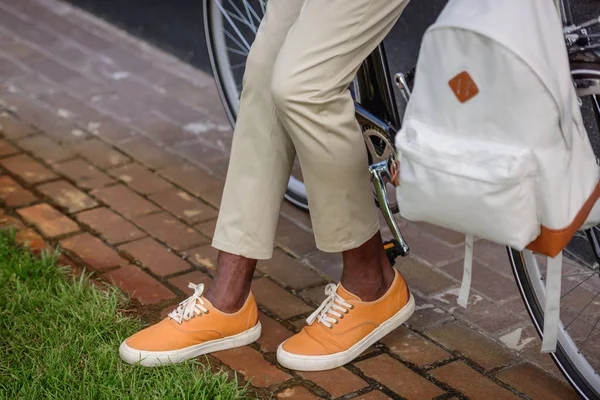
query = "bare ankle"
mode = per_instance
[{"x": 232, "y": 282}]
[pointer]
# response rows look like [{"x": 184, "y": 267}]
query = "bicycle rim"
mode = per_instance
[{"x": 578, "y": 350}]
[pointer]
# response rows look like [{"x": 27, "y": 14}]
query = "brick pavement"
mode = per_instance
[{"x": 116, "y": 152}]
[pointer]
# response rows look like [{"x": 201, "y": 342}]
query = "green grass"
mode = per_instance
[{"x": 59, "y": 339}]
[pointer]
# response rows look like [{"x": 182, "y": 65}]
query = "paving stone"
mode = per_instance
[
  {"x": 6, "y": 149},
  {"x": 398, "y": 378},
  {"x": 252, "y": 366},
  {"x": 450, "y": 237},
  {"x": 48, "y": 220},
  {"x": 100, "y": 154},
  {"x": 45, "y": 148},
  {"x": 30, "y": 239},
  {"x": 282, "y": 303},
  {"x": 149, "y": 153},
  {"x": 125, "y": 201},
  {"x": 207, "y": 228},
  {"x": 111, "y": 131},
  {"x": 156, "y": 257},
  {"x": 273, "y": 334},
  {"x": 337, "y": 382},
  {"x": 12, "y": 194},
  {"x": 429, "y": 250},
  {"x": 93, "y": 252},
  {"x": 485, "y": 281},
  {"x": 203, "y": 256},
  {"x": 168, "y": 229},
  {"x": 139, "y": 285},
  {"x": 471, "y": 344},
  {"x": 184, "y": 206},
  {"x": 470, "y": 382},
  {"x": 181, "y": 282},
  {"x": 139, "y": 178},
  {"x": 51, "y": 69},
  {"x": 28, "y": 169},
  {"x": 289, "y": 271},
  {"x": 13, "y": 128},
  {"x": 111, "y": 226},
  {"x": 296, "y": 393},
  {"x": 84, "y": 174},
  {"x": 413, "y": 348},
  {"x": 491, "y": 317},
  {"x": 214, "y": 195},
  {"x": 191, "y": 178},
  {"x": 315, "y": 295},
  {"x": 373, "y": 395},
  {"x": 536, "y": 383},
  {"x": 67, "y": 196},
  {"x": 493, "y": 256},
  {"x": 329, "y": 264},
  {"x": 427, "y": 315},
  {"x": 294, "y": 239},
  {"x": 424, "y": 279}
]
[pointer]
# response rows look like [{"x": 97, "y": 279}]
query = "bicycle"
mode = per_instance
[{"x": 230, "y": 26}]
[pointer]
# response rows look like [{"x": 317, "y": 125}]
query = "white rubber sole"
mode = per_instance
[
  {"x": 157, "y": 358},
  {"x": 321, "y": 363}
]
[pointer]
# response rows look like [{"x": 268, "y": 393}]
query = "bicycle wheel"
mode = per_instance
[
  {"x": 230, "y": 27},
  {"x": 578, "y": 350}
]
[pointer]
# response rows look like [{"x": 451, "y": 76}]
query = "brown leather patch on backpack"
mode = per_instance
[{"x": 463, "y": 86}]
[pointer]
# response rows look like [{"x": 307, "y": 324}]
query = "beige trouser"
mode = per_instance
[{"x": 295, "y": 98}]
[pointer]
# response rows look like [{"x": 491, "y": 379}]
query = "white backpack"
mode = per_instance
[{"x": 493, "y": 143}]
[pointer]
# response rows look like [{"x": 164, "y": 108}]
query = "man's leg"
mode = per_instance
[
  {"x": 261, "y": 161},
  {"x": 314, "y": 68}
]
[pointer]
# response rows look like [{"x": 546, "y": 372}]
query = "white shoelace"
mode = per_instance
[
  {"x": 191, "y": 306},
  {"x": 331, "y": 309}
]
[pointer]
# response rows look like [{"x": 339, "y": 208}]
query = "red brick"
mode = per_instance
[
  {"x": 329, "y": 264},
  {"x": 12, "y": 194},
  {"x": 6, "y": 149},
  {"x": 294, "y": 239},
  {"x": 252, "y": 366},
  {"x": 184, "y": 206},
  {"x": 13, "y": 128},
  {"x": 48, "y": 220},
  {"x": 28, "y": 169},
  {"x": 428, "y": 249},
  {"x": 373, "y": 395},
  {"x": 337, "y": 382},
  {"x": 9, "y": 222},
  {"x": 156, "y": 257},
  {"x": 413, "y": 348},
  {"x": 100, "y": 154},
  {"x": 93, "y": 252},
  {"x": 486, "y": 281},
  {"x": 139, "y": 178},
  {"x": 67, "y": 196},
  {"x": 84, "y": 174},
  {"x": 207, "y": 228},
  {"x": 505, "y": 315},
  {"x": 203, "y": 256},
  {"x": 51, "y": 69},
  {"x": 296, "y": 393},
  {"x": 181, "y": 282},
  {"x": 288, "y": 271},
  {"x": 425, "y": 280},
  {"x": 536, "y": 383},
  {"x": 398, "y": 378},
  {"x": 168, "y": 229},
  {"x": 124, "y": 201},
  {"x": 30, "y": 239},
  {"x": 9, "y": 69},
  {"x": 315, "y": 295},
  {"x": 139, "y": 285},
  {"x": 112, "y": 131},
  {"x": 45, "y": 148},
  {"x": 450, "y": 237},
  {"x": 470, "y": 382},
  {"x": 471, "y": 344},
  {"x": 214, "y": 195},
  {"x": 149, "y": 153},
  {"x": 273, "y": 334},
  {"x": 282, "y": 303},
  {"x": 427, "y": 315},
  {"x": 191, "y": 178},
  {"x": 112, "y": 227}
]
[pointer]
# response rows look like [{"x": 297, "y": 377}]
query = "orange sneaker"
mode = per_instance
[
  {"x": 344, "y": 326},
  {"x": 194, "y": 328}
]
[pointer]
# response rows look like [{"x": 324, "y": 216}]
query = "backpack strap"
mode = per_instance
[
  {"x": 465, "y": 286},
  {"x": 552, "y": 306}
]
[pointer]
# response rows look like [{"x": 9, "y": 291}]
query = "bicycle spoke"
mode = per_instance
[
  {"x": 250, "y": 10},
  {"x": 263, "y": 5},
  {"x": 589, "y": 334},
  {"x": 576, "y": 286},
  {"x": 582, "y": 310},
  {"x": 236, "y": 51},
  {"x": 234, "y": 40},
  {"x": 233, "y": 25},
  {"x": 242, "y": 18}
]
